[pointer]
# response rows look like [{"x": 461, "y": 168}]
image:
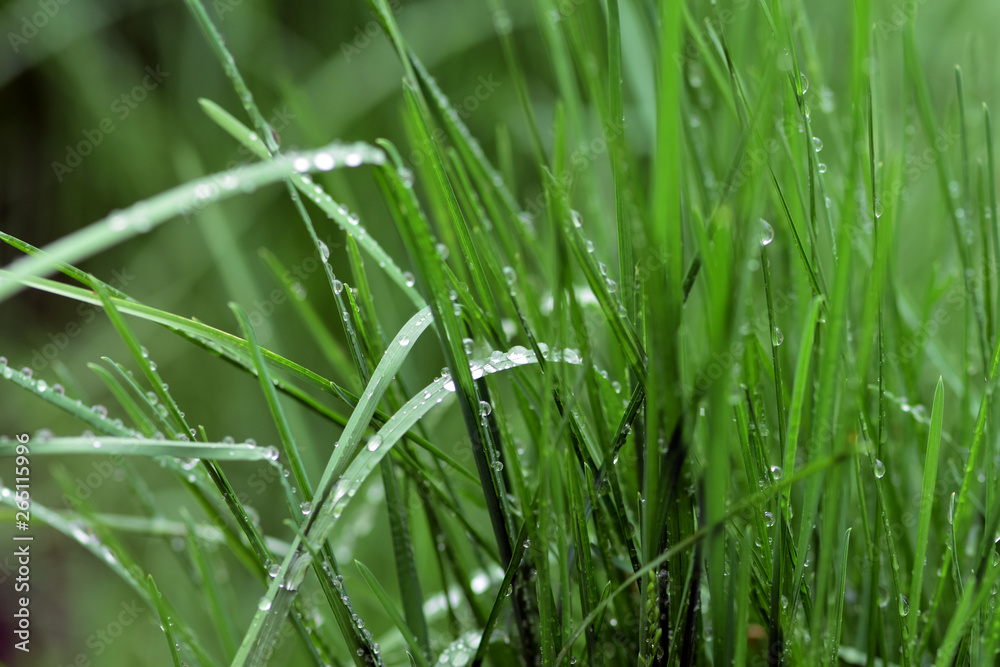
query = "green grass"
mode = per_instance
[{"x": 636, "y": 332}]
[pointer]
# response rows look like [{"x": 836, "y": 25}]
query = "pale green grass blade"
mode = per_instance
[
  {"x": 416, "y": 650},
  {"x": 91, "y": 415},
  {"x": 150, "y": 447},
  {"x": 146, "y": 215},
  {"x": 135, "y": 413},
  {"x": 345, "y": 475},
  {"x": 799, "y": 386},
  {"x": 838, "y": 617},
  {"x": 204, "y": 561},
  {"x": 310, "y": 317},
  {"x": 288, "y": 441},
  {"x": 347, "y": 220},
  {"x": 166, "y": 622},
  {"x": 926, "y": 507},
  {"x": 216, "y": 41}
]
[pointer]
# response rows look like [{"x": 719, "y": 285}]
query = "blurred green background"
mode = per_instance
[{"x": 119, "y": 80}]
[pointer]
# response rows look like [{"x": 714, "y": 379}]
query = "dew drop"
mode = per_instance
[
  {"x": 817, "y": 144},
  {"x": 485, "y": 409},
  {"x": 822, "y": 167},
  {"x": 410, "y": 279},
  {"x": 306, "y": 508},
  {"x": 374, "y": 443},
  {"x": 502, "y": 22},
  {"x": 766, "y": 232},
  {"x": 324, "y": 162},
  {"x": 324, "y": 251},
  {"x": 879, "y": 469},
  {"x": 273, "y": 569},
  {"x": 518, "y": 355},
  {"x": 904, "y": 605},
  {"x": 264, "y": 604},
  {"x": 777, "y": 472},
  {"x": 777, "y": 338}
]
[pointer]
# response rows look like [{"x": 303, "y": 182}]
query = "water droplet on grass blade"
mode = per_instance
[
  {"x": 264, "y": 604},
  {"x": 766, "y": 232},
  {"x": 777, "y": 338},
  {"x": 879, "y": 469},
  {"x": 118, "y": 223},
  {"x": 502, "y": 22},
  {"x": 324, "y": 162},
  {"x": 374, "y": 443},
  {"x": 768, "y": 519}
]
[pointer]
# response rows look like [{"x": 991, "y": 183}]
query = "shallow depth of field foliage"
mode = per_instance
[{"x": 542, "y": 332}]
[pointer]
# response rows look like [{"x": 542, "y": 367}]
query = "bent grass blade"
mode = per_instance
[
  {"x": 184, "y": 199},
  {"x": 337, "y": 490}
]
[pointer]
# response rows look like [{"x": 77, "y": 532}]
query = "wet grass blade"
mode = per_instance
[
  {"x": 144, "y": 216},
  {"x": 926, "y": 508},
  {"x": 416, "y": 649}
]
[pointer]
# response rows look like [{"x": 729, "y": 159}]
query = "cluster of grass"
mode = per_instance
[{"x": 694, "y": 363}]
